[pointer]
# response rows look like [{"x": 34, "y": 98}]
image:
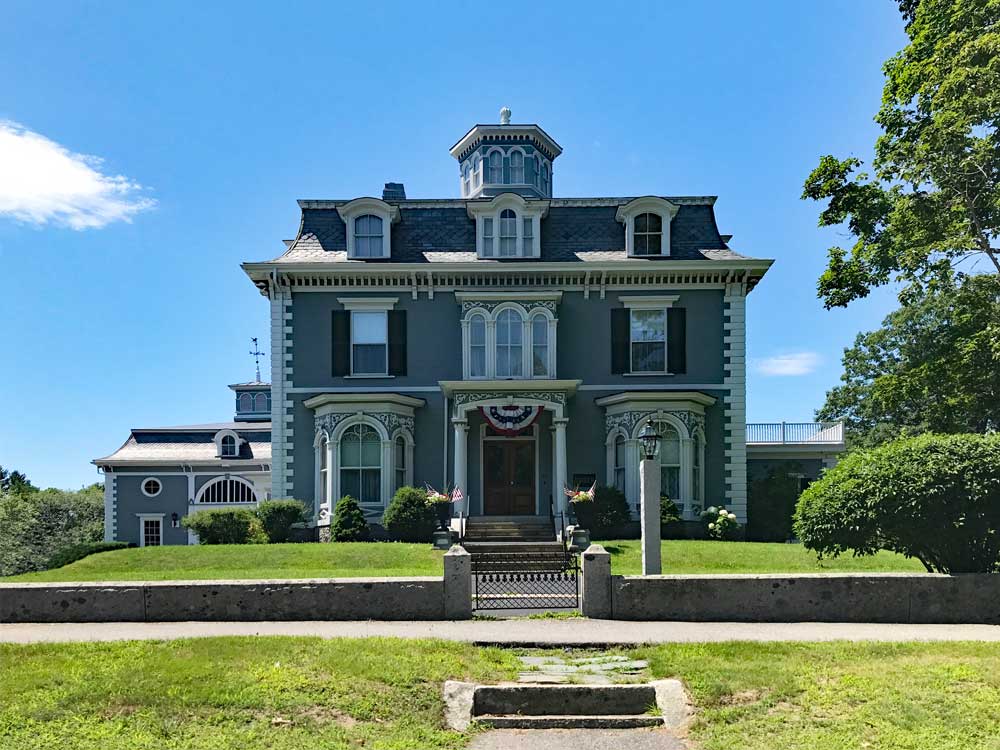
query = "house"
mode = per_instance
[{"x": 507, "y": 342}]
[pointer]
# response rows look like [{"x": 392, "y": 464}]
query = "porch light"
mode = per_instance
[{"x": 650, "y": 440}]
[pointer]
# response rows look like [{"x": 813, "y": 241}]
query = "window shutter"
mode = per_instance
[
  {"x": 677, "y": 340},
  {"x": 397, "y": 342},
  {"x": 341, "y": 343},
  {"x": 619, "y": 341}
]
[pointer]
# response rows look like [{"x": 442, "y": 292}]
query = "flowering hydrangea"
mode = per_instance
[{"x": 721, "y": 523}]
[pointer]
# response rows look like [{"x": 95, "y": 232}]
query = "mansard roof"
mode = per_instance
[
  {"x": 576, "y": 230},
  {"x": 193, "y": 444}
]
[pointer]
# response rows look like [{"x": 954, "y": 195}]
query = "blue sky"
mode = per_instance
[{"x": 123, "y": 304}]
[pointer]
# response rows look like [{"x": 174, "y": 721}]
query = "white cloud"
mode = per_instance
[
  {"x": 42, "y": 182},
  {"x": 794, "y": 363}
]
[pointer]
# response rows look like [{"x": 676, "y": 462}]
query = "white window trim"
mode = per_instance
[
  {"x": 535, "y": 210},
  {"x": 142, "y": 486},
  {"x": 228, "y": 478},
  {"x": 387, "y": 468},
  {"x": 218, "y": 443},
  {"x": 143, "y": 517},
  {"x": 632, "y": 372},
  {"x": 384, "y": 374},
  {"x": 527, "y": 343},
  {"x": 649, "y": 204},
  {"x": 362, "y": 206},
  {"x": 487, "y": 168}
]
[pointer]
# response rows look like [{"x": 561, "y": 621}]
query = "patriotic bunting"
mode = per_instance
[{"x": 510, "y": 420}]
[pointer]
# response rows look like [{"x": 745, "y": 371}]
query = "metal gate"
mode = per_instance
[{"x": 525, "y": 580}]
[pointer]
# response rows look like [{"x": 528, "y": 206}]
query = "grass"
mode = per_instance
[
  {"x": 693, "y": 556},
  {"x": 293, "y": 693},
  {"x": 353, "y": 560},
  {"x": 831, "y": 696}
]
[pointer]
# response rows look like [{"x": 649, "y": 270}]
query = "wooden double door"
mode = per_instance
[{"x": 509, "y": 477}]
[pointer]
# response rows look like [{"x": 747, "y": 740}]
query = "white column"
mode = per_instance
[
  {"x": 687, "y": 475},
  {"x": 331, "y": 502},
  {"x": 649, "y": 513},
  {"x": 560, "y": 477},
  {"x": 461, "y": 462}
]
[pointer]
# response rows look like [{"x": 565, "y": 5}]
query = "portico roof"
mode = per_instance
[{"x": 451, "y": 387}]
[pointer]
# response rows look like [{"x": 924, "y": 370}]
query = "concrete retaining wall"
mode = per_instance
[
  {"x": 900, "y": 598},
  {"x": 442, "y": 598}
]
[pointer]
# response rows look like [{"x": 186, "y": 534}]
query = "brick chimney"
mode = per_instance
[{"x": 394, "y": 191}]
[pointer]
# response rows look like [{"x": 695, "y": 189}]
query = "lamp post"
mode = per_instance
[{"x": 649, "y": 499}]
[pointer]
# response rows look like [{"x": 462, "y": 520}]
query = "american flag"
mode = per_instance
[{"x": 456, "y": 494}]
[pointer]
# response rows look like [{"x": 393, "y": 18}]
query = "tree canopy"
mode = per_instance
[
  {"x": 931, "y": 201},
  {"x": 933, "y": 366},
  {"x": 14, "y": 482}
]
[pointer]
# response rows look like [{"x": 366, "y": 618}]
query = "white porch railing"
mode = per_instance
[{"x": 795, "y": 432}]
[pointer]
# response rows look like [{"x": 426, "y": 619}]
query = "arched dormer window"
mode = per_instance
[
  {"x": 509, "y": 352},
  {"x": 516, "y": 167},
  {"x": 647, "y": 226},
  {"x": 227, "y": 446},
  {"x": 494, "y": 169},
  {"x": 245, "y": 403},
  {"x": 477, "y": 346},
  {"x": 508, "y": 233},
  {"x": 368, "y": 236}
]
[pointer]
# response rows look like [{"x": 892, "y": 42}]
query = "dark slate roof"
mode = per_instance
[
  {"x": 575, "y": 230},
  {"x": 192, "y": 444}
]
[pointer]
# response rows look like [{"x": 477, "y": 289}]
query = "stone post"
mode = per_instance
[
  {"x": 596, "y": 601},
  {"x": 457, "y": 584},
  {"x": 649, "y": 510}
]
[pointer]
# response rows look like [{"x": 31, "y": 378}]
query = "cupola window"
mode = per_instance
[
  {"x": 516, "y": 167},
  {"x": 494, "y": 174}
]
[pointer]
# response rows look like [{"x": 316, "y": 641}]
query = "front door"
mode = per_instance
[{"x": 509, "y": 477}]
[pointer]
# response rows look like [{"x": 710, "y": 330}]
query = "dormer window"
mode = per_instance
[
  {"x": 647, "y": 226},
  {"x": 228, "y": 446},
  {"x": 508, "y": 226},
  {"x": 368, "y": 222},
  {"x": 368, "y": 236}
]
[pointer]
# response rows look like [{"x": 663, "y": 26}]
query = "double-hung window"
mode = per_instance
[
  {"x": 648, "y": 340},
  {"x": 670, "y": 461},
  {"x": 477, "y": 346},
  {"x": 494, "y": 174},
  {"x": 369, "y": 342},
  {"x": 539, "y": 346},
  {"x": 516, "y": 167},
  {"x": 648, "y": 234},
  {"x": 508, "y": 233},
  {"x": 368, "y": 237},
  {"x": 528, "y": 238}
]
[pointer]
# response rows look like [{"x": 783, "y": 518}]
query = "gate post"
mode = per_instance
[
  {"x": 596, "y": 583},
  {"x": 457, "y": 584}
]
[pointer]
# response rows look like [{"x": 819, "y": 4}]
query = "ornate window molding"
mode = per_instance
[
  {"x": 357, "y": 242},
  {"x": 491, "y": 234},
  {"x": 151, "y": 486},
  {"x": 481, "y": 339},
  {"x": 627, "y": 215},
  {"x": 227, "y": 444}
]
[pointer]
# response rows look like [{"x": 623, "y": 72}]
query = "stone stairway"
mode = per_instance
[{"x": 509, "y": 529}]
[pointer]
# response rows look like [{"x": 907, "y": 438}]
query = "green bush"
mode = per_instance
[
  {"x": 36, "y": 525},
  {"x": 720, "y": 524},
  {"x": 75, "y": 552},
  {"x": 409, "y": 518},
  {"x": 277, "y": 517},
  {"x": 349, "y": 524},
  {"x": 607, "y": 512},
  {"x": 226, "y": 526},
  {"x": 932, "y": 497},
  {"x": 670, "y": 517}
]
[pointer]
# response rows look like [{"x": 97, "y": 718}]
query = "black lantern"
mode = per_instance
[{"x": 650, "y": 440}]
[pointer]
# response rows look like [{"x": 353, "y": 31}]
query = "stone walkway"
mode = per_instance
[
  {"x": 576, "y": 739},
  {"x": 575, "y": 632}
]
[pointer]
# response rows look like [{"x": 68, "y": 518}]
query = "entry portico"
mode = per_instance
[{"x": 469, "y": 396}]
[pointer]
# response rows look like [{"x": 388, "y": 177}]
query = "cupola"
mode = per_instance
[{"x": 505, "y": 158}]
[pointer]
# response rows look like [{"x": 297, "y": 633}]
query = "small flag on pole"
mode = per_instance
[{"x": 456, "y": 494}]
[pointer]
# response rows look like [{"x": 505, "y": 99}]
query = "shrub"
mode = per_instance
[
  {"x": 932, "y": 497},
  {"x": 349, "y": 524},
  {"x": 226, "y": 526},
  {"x": 75, "y": 552},
  {"x": 720, "y": 523},
  {"x": 277, "y": 517},
  {"x": 669, "y": 513},
  {"x": 36, "y": 525},
  {"x": 771, "y": 499},
  {"x": 409, "y": 518},
  {"x": 607, "y": 512}
]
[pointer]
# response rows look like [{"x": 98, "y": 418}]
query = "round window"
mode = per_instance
[{"x": 151, "y": 487}]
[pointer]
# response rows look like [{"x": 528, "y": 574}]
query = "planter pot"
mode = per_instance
[
  {"x": 442, "y": 539},
  {"x": 580, "y": 539},
  {"x": 444, "y": 515}
]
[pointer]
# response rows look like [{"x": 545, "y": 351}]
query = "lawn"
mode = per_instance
[
  {"x": 295, "y": 693},
  {"x": 352, "y": 560}
]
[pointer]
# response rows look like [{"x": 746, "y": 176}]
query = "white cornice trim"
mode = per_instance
[
  {"x": 533, "y": 207},
  {"x": 646, "y": 204},
  {"x": 360, "y": 206},
  {"x": 355, "y": 399},
  {"x": 648, "y": 301},
  {"x": 647, "y": 396},
  {"x": 450, "y": 387},
  {"x": 504, "y": 296},
  {"x": 368, "y": 303},
  {"x": 681, "y": 200}
]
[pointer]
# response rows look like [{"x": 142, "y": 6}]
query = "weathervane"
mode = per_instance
[{"x": 256, "y": 354}]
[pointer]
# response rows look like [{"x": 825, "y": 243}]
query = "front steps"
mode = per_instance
[
  {"x": 509, "y": 529},
  {"x": 528, "y": 706}
]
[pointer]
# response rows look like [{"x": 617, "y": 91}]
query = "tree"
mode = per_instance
[
  {"x": 934, "y": 366},
  {"x": 349, "y": 524},
  {"x": 932, "y": 497},
  {"x": 36, "y": 525},
  {"x": 15, "y": 483},
  {"x": 932, "y": 200}
]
